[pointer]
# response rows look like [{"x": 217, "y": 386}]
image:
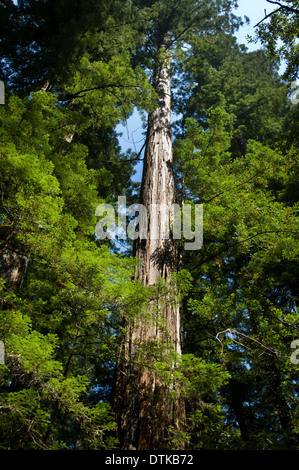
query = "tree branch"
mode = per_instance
[
  {"x": 185, "y": 29},
  {"x": 281, "y": 7},
  {"x": 268, "y": 16},
  {"x": 78, "y": 94},
  {"x": 227, "y": 247}
]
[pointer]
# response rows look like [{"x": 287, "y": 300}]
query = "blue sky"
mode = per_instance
[
  {"x": 132, "y": 133},
  {"x": 254, "y": 9}
]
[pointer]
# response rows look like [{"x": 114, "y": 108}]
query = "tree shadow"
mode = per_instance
[{"x": 164, "y": 257}]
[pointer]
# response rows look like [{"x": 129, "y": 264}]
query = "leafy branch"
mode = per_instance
[{"x": 281, "y": 8}]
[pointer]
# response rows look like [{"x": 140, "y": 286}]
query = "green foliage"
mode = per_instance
[
  {"x": 65, "y": 296},
  {"x": 61, "y": 328},
  {"x": 279, "y": 35},
  {"x": 241, "y": 310},
  {"x": 216, "y": 72}
]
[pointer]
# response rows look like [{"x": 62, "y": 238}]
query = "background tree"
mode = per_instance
[
  {"x": 59, "y": 325},
  {"x": 60, "y": 329},
  {"x": 238, "y": 280},
  {"x": 216, "y": 71}
]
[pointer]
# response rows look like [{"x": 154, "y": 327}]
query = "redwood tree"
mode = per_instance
[{"x": 149, "y": 409}]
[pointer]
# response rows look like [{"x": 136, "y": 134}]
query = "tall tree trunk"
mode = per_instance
[{"x": 146, "y": 409}]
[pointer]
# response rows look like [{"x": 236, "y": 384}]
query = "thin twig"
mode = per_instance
[
  {"x": 236, "y": 332},
  {"x": 268, "y": 16}
]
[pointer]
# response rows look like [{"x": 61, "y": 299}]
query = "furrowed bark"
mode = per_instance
[
  {"x": 13, "y": 267},
  {"x": 144, "y": 404}
]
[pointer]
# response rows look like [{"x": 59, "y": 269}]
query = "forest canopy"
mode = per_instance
[{"x": 72, "y": 72}]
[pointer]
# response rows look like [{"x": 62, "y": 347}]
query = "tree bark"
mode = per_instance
[
  {"x": 13, "y": 267},
  {"x": 145, "y": 407}
]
